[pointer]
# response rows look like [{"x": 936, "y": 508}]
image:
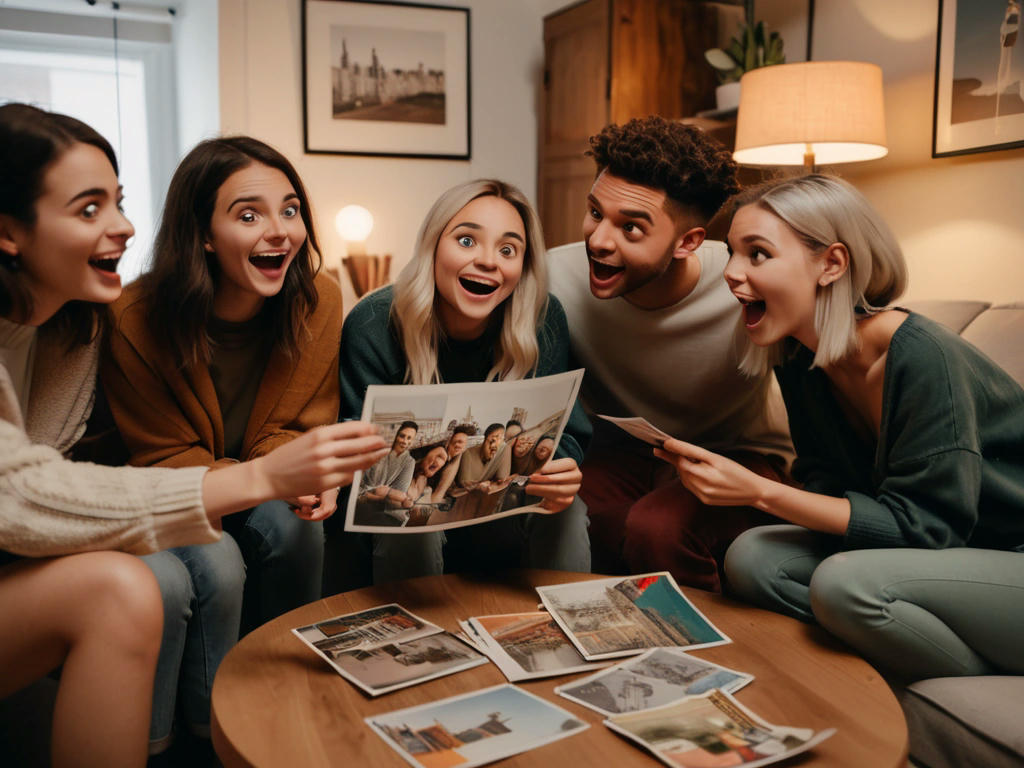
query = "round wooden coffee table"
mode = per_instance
[{"x": 276, "y": 703}]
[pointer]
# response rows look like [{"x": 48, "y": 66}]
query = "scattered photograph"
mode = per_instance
[
  {"x": 658, "y": 677},
  {"x": 713, "y": 730},
  {"x": 529, "y": 645},
  {"x": 639, "y": 427},
  {"x": 386, "y": 648},
  {"x": 624, "y": 616},
  {"x": 475, "y": 728},
  {"x": 460, "y": 454}
]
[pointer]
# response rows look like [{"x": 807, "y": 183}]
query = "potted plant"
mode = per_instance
[{"x": 749, "y": 49}]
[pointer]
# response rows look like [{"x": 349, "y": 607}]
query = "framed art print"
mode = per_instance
[
  {"x": 979, "y": 77},
  {"x": 386, "y": 79}
]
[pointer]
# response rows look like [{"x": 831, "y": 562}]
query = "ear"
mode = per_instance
[
  {"x": 688, "y": 242},
  {"x": 833, "y": 264},
  {"x": 207, "y": 247},
  {"x": 8, "y": 244}
]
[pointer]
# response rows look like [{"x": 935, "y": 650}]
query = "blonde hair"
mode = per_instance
[
  {"x": 413, "y": 311},
  {"x": 823, "y": 210}
]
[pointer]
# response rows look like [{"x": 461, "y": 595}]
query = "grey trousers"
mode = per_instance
[{"x": 915, "y": 612}]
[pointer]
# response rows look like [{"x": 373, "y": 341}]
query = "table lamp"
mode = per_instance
[
  {"x": 814, "y": 112},
  {"x": 354, "y": 223}
]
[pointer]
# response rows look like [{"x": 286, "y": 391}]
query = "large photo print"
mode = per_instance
[{"x": 460, "y": 453}]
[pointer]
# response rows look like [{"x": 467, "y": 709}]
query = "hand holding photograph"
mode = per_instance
[
  {"x": 713, "y": 729},
  {"x": 460, "y": 454},
  {"x": 624, "y": 616}
]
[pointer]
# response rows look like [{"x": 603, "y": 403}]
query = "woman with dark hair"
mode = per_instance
[
  {"x": 430, "y": 460},
  {"x": 97, "y": 613},
  {"x": 226, "y": 349}
]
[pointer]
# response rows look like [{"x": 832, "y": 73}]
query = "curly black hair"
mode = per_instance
[{"x": 693, "y": 169}]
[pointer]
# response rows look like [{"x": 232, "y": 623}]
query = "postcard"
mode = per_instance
[
  {"x": 474, "y": 728},
  {"x": 713, "y": 729},
  {"x": 529, "y": 645},
  {"x": 460, "y": 454},
  {"x": 660, "y": 676},
  {"x": 623, "y": 616},
  {"x": 639, "y": 427},
  {"x": 387, "y": 648}
]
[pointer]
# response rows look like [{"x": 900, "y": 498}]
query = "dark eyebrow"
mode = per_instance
[
  {"x": 468, "y": 224},
  {"x": 515, "y": 235},
  {"x": 636, "y": 214},
  {"x": 259, "y": 198},
  {"x": 92, "y": 192}
]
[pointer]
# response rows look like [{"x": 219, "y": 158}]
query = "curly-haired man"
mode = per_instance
[{"x": 652, "y": 320}]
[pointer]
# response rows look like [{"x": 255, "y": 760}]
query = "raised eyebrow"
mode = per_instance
[
  {"x": 467, "y": 224},
  {"x": 516, "y": 236},
  {"x": 636, "y": 214}
]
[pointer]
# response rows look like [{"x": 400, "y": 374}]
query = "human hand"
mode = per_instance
[
  {"x": 557, "y": 483},
  {"x": 378, "y": 493},
  {"x": 323, "y": 506},
  {"x": 321, "y": 459},
  {"x": 713, "y": 478}
]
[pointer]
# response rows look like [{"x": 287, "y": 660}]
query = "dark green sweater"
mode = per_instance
[
  {"x": 948, "y": 467},
  {"x": 372, "y": 354}
]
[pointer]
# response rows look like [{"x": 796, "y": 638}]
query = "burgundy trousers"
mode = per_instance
[{"x": 642, "y": 518}]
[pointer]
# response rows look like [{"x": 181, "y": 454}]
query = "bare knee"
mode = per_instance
[{"x": 119, "y": 593}]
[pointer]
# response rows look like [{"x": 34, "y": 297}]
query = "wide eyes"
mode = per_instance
[
  {"x": 91, "y": 211},
  {"x": 250, "y": 216},
  {"x": 757, "y": 256},
  {"x": 466, "y": 241}
]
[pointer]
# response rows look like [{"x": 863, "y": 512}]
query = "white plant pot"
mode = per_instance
[{"x": 727, "y": 96}]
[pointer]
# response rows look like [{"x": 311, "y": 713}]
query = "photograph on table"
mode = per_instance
[
  {"x": 713, "y": 729},
  {"x": 474, "y": 728},
  {"x": 383, "y": 649},
  {"x": 525, "y": 646},
  {"x": 658, "y": 677},
  {"x": 624, "y": 616},
  {"x": 460, "y": 454}
]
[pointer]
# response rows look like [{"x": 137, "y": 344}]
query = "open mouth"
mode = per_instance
[
  {"x": 753, "y": 311},
  {"x": 603, "y": 271},
  {"x": 105, "y": 264},
  {"x": 476, "y": 287},
  {"x": 267, "y": 260}
]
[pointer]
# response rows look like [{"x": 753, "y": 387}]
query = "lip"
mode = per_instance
[
  {"x": 487, "y": 287},
  {"x": 271, "y": 263},
  {"x": 105, "y": 266},
  {"x": 754, "y": 310},
  {"x": 608, "y": 278}
]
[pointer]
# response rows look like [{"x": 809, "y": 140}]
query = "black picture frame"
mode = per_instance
[
  {"x": 386, "y": 79},
  {"x": 977, "y": 111}
]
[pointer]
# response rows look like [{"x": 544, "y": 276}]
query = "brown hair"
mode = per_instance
[{"x": 694, "y": 171}]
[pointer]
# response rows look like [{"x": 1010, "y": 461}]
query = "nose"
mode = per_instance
[
  {"x": 601, "y": 238},
  {"x": 120, "y": 227},
  {"x": 275, "y": 229},
  {"x": 485, "y": 258},
  {"x": 734, "y": 274}
]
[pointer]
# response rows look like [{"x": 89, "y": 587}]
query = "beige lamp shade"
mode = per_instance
[{"x": 832, "y": 111}]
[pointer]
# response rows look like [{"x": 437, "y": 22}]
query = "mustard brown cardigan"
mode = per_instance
[{"x": 170, "y": 417}]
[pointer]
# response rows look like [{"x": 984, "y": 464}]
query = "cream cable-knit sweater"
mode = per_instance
[{"x": 52, "y": 506}]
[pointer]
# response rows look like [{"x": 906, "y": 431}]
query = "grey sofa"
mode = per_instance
[{"x": 972, "y": 721}]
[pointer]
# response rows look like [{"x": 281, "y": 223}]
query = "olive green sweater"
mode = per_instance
[{"x": 948, "y": 466}]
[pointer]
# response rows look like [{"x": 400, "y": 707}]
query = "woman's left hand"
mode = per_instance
[
  {"x": 712, "y": 478},
  {"x": 314, "y": 508},
  {"x": 557, "y": 483}
]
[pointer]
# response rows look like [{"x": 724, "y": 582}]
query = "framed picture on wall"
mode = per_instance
[
  {"x": 385, "y": 79},
  {"x": 979, "y": 77}
]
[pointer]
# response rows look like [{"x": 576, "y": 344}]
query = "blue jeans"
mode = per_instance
[
  {"x": 557, "y": 542},
  {"x": 267, "y": 562}
]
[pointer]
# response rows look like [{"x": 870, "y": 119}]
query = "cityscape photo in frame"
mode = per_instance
[
  {"x": 385, "y": 79},
  {"x": 979, "y": 77}
]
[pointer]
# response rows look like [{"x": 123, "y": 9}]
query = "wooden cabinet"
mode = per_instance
[{"x": 606, "y": 61}]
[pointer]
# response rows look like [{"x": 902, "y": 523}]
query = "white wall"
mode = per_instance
[
  {"x": 260, "y": 94},
  {"x": 196, "y": 80},
  {"x": 959, "y": 219}
]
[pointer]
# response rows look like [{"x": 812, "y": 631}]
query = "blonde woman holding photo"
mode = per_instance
[{"x": 472, "y": 305}]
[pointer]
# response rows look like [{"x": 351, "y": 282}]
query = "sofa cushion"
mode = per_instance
[
  {"x": 966, "y": 721},
  {"x": 955, "y": 315},
  {"x": 999, "y": 333}
]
